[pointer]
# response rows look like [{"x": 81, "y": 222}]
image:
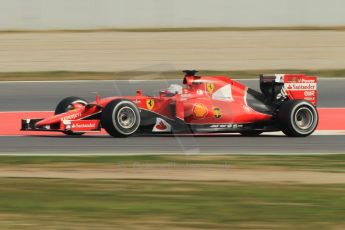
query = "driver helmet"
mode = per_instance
[{"x": 174, "y": 89}]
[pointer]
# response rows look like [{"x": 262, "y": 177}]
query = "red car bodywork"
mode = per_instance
[{"x": 206, "y": 103}]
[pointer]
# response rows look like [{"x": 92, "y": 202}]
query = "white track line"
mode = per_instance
[{"x": 316, "y": 133}]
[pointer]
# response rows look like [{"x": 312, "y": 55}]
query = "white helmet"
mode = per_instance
[{"x": 174, "y": 89}]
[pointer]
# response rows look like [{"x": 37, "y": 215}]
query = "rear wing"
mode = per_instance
[{"x": 292, "y": 86}]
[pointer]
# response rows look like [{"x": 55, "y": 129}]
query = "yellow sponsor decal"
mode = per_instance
[
  {"x": 210, "y": 87},
  {"x": 199, "y": 110},
  {"x": 217, "y": 112},
  {"x": 150, "y": 103}
]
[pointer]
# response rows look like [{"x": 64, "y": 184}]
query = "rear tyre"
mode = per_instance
[
  {"x": 120, "y": 118},
  {"x": 66, "y": 105},
  {"x": 251, "y": 133},
  {"x": 298, "y": 118}
]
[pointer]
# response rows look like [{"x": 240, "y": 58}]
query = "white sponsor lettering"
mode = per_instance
[
  {"x": 72, "y": 116},
  {"x": 233, "y": 126},
  {"x": 309, "y": 93},
  {"x": 300, "y": 86},
  {"x": 85, "y": 125},
  {"x": 306, "y": 81}
]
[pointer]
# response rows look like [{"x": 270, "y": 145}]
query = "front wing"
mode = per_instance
[{"x": 75, "y": 126}]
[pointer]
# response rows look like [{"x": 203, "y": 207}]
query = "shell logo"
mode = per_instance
[{"x": 199, "y": 110}]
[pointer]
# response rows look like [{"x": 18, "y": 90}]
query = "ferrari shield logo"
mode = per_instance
[
  {"x": 210, "y": 87},
  {"x": 150, "y": 103}
]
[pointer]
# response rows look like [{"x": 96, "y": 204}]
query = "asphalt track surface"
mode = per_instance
[{"x": 41, "y": 96}]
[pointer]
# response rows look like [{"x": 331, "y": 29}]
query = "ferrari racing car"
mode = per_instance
[{"x": 203, "y": 104}]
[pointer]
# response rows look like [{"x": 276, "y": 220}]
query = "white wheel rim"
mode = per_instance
[
  {"x": 126, "y": 117},
  {"x": 304, "y": 118}
]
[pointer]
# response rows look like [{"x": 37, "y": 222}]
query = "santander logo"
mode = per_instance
[
  {"x": 300, "y": 86},
  {"x": 86, "y": 125},
  {"x": 161, "y": 126}
]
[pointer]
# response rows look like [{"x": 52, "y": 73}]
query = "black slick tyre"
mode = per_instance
[
  {"x": 67, "y": 104},
  {"x": 120, "y": 118},
  {"x": 298, "y": 118}
]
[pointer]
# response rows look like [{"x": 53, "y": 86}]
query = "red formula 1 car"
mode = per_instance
[{"x": 205, "y": 104}]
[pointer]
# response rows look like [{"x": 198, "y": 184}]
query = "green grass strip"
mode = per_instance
[
  {"x": 330, "y": 163},
  {"x": 131, "y": 204}
]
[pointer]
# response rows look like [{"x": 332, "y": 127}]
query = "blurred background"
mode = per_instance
[
  {"x": 146, "y": 182},
  {"x": 110, "y": 14},
  {"x": 170, "y": 35}
]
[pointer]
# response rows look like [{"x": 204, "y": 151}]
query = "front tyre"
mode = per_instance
[
  {"x": 298, "y": 118},
  {"x": 120, "y": 118},
  {"x": 66, "y": 105}
]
